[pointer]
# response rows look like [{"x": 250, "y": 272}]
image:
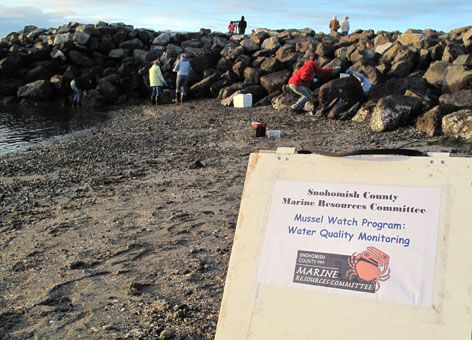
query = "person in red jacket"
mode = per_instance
[{"x": 303, "y": 77}]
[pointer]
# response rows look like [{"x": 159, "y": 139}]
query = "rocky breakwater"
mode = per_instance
[{"x": 420, "y": 77}]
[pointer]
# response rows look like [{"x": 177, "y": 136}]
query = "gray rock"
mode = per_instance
[
  {"x": 394, "y": 111},
  {"x": 463, "y": 60},
  {"x": 80, "y": 59},
  {"x": 252, "y": 74},
  {"x": 39, "y": 90},
  {"x": 231, "y": 52},
  {"x": 451, "y": 52},
  {"x": 140, "y": 55},
  {"x": 62, "y": 39},
  {"x": 155, "y": 53},
  {"x": 202, "y": 88},
  {"x": 401, "y": 69},
  {"x": 458, "y": 124},
  {"x": 456, "y": 101},
  {"x": 249, "y": 45},
  {"x": 349, "y": 89},
  {"x": 173, "y": 50},
  {"x": 271, "y": 65},
  {"x": 457, "y": 78},
  {"x": 274, "y": 81},
  {"x": 271, "y": 44},
  {"x": 162, "y": 39},
  {"x": 436, "y": 74},
  {"x": 132, "y": 44},
  {"x": 81, "y": 38},
  {"x": 117, "y": 53},
  {"x": 430, "y": 122},
  {"x": 284, "y": 101},
  {"x": 467, "y": 38}
]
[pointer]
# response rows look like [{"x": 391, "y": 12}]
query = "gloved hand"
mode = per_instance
[
  {"x": 315, "y": 80},
  {"x": 348, "y": 71},
  {"x": 337, "y": 68}
]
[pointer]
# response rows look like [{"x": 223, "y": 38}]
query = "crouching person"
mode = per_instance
[
  {"x": 183, "y": 68},
  {"x": 302, "y": 79},
  {"x": 157, "y": 82}
]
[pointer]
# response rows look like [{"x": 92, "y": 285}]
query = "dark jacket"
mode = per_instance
[{"x": 242, "y": 24}]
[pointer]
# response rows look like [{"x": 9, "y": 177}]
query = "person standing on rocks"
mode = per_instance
[
  {"x": 242, "y": 24},
  {"x": 345, "y": 26},
  {"x": 183, "y": 68},
  {"x": 334, "y": 24},
  {"x": 303, "y": 77},
  {"x": 231, "y": 27},
  {"x": 156, "y": 81}
]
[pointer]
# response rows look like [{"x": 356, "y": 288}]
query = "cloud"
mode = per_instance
[{"x": 13, "y": 19}]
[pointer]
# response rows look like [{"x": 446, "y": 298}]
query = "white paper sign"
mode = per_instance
[{"x": 369, "y": 241}]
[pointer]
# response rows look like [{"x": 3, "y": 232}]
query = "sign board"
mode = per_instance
[{"x": 357, "y": 247}]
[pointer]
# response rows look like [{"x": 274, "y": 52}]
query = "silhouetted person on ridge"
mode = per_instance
[{"x": 242, "y": 24}]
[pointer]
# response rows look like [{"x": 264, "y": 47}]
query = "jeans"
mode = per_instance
[
  {"x": 305, "y": 96},
  {"x": 182, "y": 84},
  {"x": 77, "y": 93},
  {"x": 156, "y": 91}
]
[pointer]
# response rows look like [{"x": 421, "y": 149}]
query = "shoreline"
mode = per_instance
[{"x": 126, "y": 230}]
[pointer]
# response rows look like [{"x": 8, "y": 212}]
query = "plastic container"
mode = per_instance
[
  {"x": 242, "y": 100},
  {"x": 273, "y": 134}
]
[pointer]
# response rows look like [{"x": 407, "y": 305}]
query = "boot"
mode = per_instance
[
  {"x": 182, "y": 97},
  {"x": 153, "y": 100},
  {"x": 158, "y": 100},
  {"x": 177, "y": 97}
]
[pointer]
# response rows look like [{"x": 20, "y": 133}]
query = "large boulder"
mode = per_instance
[
  {"x": 394, "y": 111},
  {"x": 63, "y": 39},
  {"x": 458, "y": 124},
  {"x": 11, "y": 65},
  {"x": 80, "y": 58},
  {"x": 348, "y": 89},
  {"x": 430, "y": 122},
  {"x": 274, "y": 81},
  {"x": 436, "y": 74},
  {"x": 117, "y": 53},
  {"x": 451, "y": 52},
  {"x": 202, "y": 88},
  {"x": 284, "y": 100},
  {"x": 456, "y": 101},
  {"x": 271, "y": 65},
  {"x": 249, "y": 45},
  {"x": 398, "y": 86},
  {"x": 132, "y": 44},
  {"x": 457, "y": 78},
  {"x": 271, "y": 44},
  {"x": 231, "y": 52},
  {"x": 413, "y": 39},
  {"x": 162, "y": 39},
  {"x": 467, "y": 37},
  {"x": 81, "y": 38},
  {"x": 252, "y": 74},
  {"x": 37, "y": 73},
  {"x": 38, "y": 90}
]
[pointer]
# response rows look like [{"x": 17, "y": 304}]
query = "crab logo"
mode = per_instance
[{"x": 370, "y": 265}]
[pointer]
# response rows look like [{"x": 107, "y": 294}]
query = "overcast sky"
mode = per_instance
[{"x": 191, "y": 15}]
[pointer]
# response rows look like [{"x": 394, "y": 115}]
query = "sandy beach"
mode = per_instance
[{"x": 125, "y": 231}]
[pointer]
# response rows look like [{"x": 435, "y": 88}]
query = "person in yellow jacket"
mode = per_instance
[{"x": 157, "y": 82}]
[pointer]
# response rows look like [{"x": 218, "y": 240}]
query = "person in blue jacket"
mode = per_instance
[{"x": 183, "y": 68}]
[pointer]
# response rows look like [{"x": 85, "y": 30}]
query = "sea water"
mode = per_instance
[{"x": 25, "y": 127}]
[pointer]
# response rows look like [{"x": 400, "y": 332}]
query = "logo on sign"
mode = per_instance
[
  {"x": 361, "y": 272},
  {"x": 370, "y": 265}
]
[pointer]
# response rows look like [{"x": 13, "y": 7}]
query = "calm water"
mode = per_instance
[{"x": 21, "y": 128}]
